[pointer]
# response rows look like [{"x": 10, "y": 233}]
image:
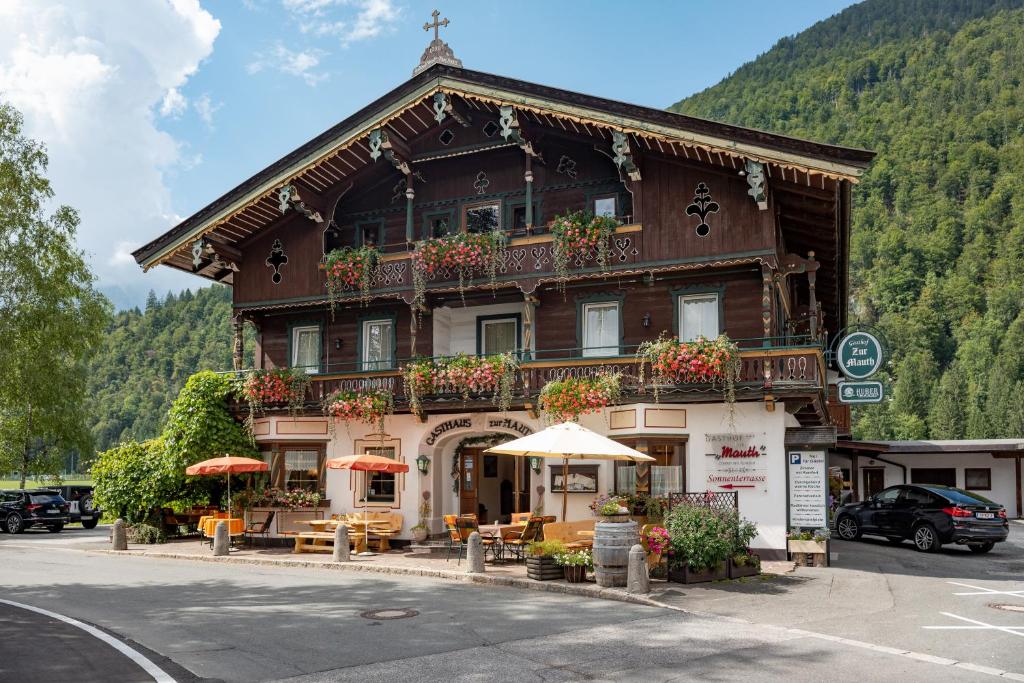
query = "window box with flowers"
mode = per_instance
[
  {"x": 464, "y": 254},
  {"x": 279, "y": 387},
  {"x": 464, "y": 376},
  {"x": 567, "y": 399},
  {"x": 350, "y": 269},
  {"x": 370, "y": 406},
  {"x": 579, "y": 236}
]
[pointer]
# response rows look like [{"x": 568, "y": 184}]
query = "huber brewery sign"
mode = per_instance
[{"x": 736, "y": 462}]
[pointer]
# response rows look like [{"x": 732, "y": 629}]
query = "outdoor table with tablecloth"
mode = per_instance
[{"x": 236, "y": 526}]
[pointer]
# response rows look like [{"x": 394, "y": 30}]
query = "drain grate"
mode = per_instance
[
  {"x": 1007, "y": 608},
  {"x": 382, "y": 614}
]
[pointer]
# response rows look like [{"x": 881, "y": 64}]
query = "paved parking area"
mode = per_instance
[{"x": 941, "y": 604}]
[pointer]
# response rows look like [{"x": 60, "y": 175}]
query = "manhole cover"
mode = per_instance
[
  {"x": 1008, "y": 608},
  {"x": 378, "y": 614}
]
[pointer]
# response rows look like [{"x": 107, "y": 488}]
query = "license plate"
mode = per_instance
[
  {"x": 985, "y": 515},
  {"x": 53, "y": 512}
]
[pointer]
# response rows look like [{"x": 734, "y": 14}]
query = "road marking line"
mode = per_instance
[
  {"x": 158, "y": 674},
  {"x": 980, "y": 625},
  {"x": 981, "y": 590}
]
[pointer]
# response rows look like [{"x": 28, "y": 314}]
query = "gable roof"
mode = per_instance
[{"x": 324, "y": 160}]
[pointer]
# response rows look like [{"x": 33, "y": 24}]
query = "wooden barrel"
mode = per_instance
[{"x": 612, "y": 541}]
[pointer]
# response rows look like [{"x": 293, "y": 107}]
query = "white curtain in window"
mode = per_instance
[
  {"x": 698, "y": 316},
  {"x": 499, "y": 336},
  {"x": 300, "y": 460},
  {"x": 306, "y": 348},
  {"x": 625, "y": 479},
  {"x": 377, "y": 344},
  {"x": 666, "y": 480},
  {"x": 601, "y": 329}
]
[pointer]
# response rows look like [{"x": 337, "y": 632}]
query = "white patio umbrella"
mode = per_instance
[{"x": 569, "y": 441}]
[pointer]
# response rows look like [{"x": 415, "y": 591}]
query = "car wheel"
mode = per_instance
[
  {"x": 981, "y": 548},
  {"x": 926, "y": 539},
  {"x": 15, "y": 523},
  {"x": 90, "y": 523},
  {"x": 895, "y": 540},
  {"x": 848, "y": 528},
  {"x": 55, "y": 528}
]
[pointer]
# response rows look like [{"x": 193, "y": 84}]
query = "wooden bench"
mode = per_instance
[
  {"x": 566, "y": 533},
  {"x": 323, "y": 541}
]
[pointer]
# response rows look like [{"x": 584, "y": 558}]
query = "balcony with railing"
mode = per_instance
[{"x": 767, "y": 367}]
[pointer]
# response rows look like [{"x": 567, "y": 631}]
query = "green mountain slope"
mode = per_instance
[
  {"x": 147, "y": 356},
  {"x": 937, "y": 252}
]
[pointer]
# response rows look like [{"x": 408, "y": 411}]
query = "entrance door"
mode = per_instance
[
  {"x": 469, "y": 481},
  {"x": 874, "y": 481}
]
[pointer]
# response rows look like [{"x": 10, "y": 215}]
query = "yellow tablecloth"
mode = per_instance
[{"x": 235, "y": 526}]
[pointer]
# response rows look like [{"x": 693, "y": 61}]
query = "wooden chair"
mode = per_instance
[
  {"x": 255, "y": 529},
  {"x": 516, "y": 541},
  {"x": 459, "y": 529}
]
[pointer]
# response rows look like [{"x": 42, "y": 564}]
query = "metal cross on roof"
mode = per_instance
[{"x": 436, "y": 25}]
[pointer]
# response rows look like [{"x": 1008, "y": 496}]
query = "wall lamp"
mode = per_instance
[
  {"x": 535, "y": 464},
  {"x": 423, "y": 463},
  {"x": 646, "y": 320}
]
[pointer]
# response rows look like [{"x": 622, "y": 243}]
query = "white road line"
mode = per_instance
[
  {"x": 981, "y": 590},
  {"x": 158, "y": 674},
  {"x": 979, "y": 625}
]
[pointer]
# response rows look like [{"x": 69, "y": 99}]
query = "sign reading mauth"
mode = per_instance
[{"x": 736, "y": 462}]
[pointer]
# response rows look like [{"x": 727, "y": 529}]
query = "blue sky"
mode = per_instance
[{"x": 173, "y": 102}]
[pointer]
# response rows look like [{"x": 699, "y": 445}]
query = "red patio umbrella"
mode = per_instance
[
  {"x": 226, "y": 465},
  {"x": 366, "y": 462}
]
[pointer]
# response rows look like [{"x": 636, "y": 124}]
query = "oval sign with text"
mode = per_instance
[{"x": 859, "y": 355}]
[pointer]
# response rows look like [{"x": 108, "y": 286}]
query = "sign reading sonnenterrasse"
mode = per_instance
[{"x": 859, "y": 355}]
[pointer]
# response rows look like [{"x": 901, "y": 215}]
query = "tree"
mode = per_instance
[
  {"x": 947, "y": 418},
  {"x": 51, "y": 317}
]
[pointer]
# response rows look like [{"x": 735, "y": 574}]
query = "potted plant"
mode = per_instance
[
  {"x": 701, "y": 540},
  {"x": 540, "y": 560},
  {"x": 656, "y": 542},
  {"x": 808, "y": 548},
  {"x": 420, "y": 531},
  {"x": 574, "y": 564},
  {"x": 567, "y": 399},
  {"x": 614, "y": 511},
  {"x": 742, "y": 562}
]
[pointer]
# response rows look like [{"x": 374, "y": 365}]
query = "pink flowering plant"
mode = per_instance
[
  {"x": 577, "y": 235},
  {"x": 349, "y": 269},
  {"x": 465, "y": 254},
  {"x": 701, "y": 361},
  {"x": 368, "y": 405},
  {"x": 567, "y": 399},
  {"x": 464, "y": 375},
  {"x": 657, "y": 540},
  {"x": 261, "y": 389}
]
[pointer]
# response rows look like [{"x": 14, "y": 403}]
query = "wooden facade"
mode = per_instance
[{"x": 410, "y": 165}]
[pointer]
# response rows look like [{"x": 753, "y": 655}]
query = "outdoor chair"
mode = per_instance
[
  {"x": 516, "y": 541},
  {"x": 254, "y": 529},
  {"x": 456, "y": 526},
  {"x": 171, "y": 524}
]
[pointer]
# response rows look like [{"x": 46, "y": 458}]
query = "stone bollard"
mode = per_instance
[
  {"x": 119, "y": 537},
  {"x": 475, "y": 554},
  {"x": 221, "y": 539},
  {"x": 638, "y": 580},
  {"x": 341, "y": 543}
]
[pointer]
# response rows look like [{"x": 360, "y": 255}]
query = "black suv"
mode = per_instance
[
  {"x": 20, "y": 510},
  {"x": 928, "y": 514},
  {"x": 80, "y": 505}
]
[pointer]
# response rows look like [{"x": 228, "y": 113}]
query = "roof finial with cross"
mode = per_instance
[{"x": 436, "y": 25}]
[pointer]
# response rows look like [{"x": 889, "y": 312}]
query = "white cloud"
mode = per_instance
[
  {"x": 91, "y": 79},
  {"x": 205, "y": 108},
  {"x": 174, "y": 103},
  {"x": 300, "y": 63},
  {"x": 321, "y": 17},
  {"x": 122, "y": 255}
]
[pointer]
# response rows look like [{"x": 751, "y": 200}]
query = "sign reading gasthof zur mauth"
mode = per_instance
[{"x": 859, "y": 355}]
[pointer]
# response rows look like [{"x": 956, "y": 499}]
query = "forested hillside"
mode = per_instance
[
  {"x": 937, "y": 253},
  {"x": 147, "y": 356}
]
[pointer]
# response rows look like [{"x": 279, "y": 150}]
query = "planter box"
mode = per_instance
[
  {"x": 809, "y": 553},
  {"x": 575, "y": 574},
  {"x": 687, "y": 575},
  {"x": 543, "y": 569},
  {"x": 749, "y": 569}
]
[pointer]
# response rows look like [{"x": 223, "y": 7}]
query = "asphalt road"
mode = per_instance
[{"x": 240, "y": 623}]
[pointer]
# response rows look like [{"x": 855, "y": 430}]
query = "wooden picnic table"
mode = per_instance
[{"x": 383, "y": 532}]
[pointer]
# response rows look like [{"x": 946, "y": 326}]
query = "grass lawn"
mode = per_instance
[{"x": 33, "y": 484}]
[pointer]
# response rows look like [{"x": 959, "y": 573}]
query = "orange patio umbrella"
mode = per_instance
[
  {"x": 227, "y": 465},
  {"x": 367, "y": 462}
]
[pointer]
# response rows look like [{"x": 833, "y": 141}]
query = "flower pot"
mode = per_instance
[
  {"x": 738, "y": 572},
  {"x": 419, "y": 534},
  {"x": 543, "y": 569},
  {"x": 687, "y": 575},
  {"x": 575, "y": 573},
  {"x": 616, "y": 518}
]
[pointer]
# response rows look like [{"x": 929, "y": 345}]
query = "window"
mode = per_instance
[
  {"x": 978, "y": 479},
  {"x": 380, "y": 487},
  {"x": 601, "y": 329},
  {"x": 306, "y": 348},
  {"x": 698, "y": 316},
  {"x": 517, "y": 212},
  {"x": 438, "y": 224},
  {"x": 332, "y": 238},
  {"x": 370, "y": 233},
  {"x": 302, "y": 470},
  {"x": 915, "y": 496},
  {"x": 606, "y": 206},
  {"x": 378, "y": 344},
  {"x": 497, "y": 335},
  {"x": 888, "y": 495},
  {"x": 944, "y": 476},
  {"x": 482, "y": 217}
]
